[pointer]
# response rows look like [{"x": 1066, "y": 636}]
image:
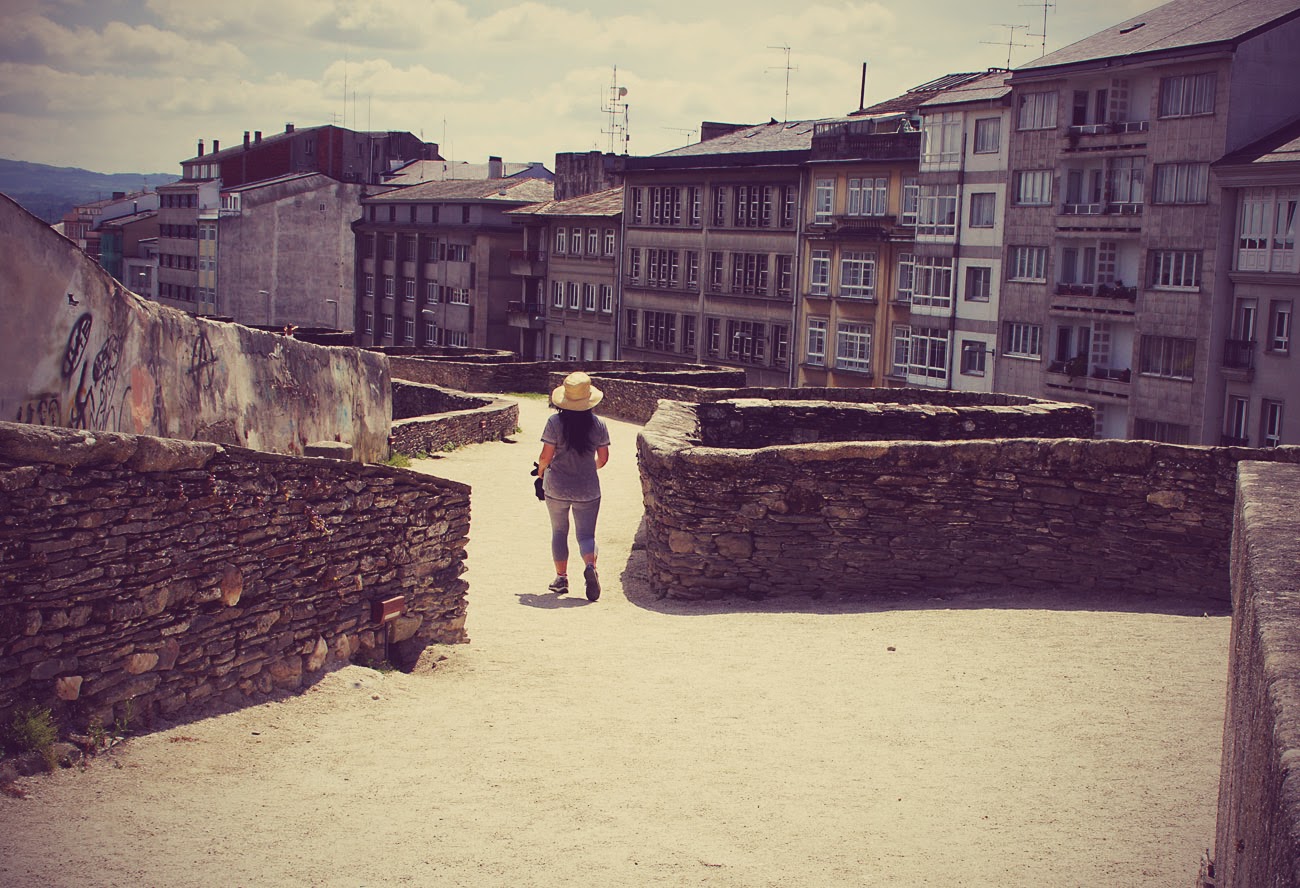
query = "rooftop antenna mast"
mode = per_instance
[
  {"x": 616, "y": 106},
  {"x": 1011, "y": 40},
  {"x": 785, "y": 114},
  {"x": 687, "y": 132},
  {"x": 1046, "y": 6}
]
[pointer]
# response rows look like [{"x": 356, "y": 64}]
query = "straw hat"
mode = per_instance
[{"x": 577, "y": 393}]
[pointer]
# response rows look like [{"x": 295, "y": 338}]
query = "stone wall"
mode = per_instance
[
  {"x": 435, "y": 419},
  {"x": 904, "y": 518},
  {"x": 1258, "y": 835},
  {"x": 172, "y": 573},
  {"x": 78, "y": 350}
]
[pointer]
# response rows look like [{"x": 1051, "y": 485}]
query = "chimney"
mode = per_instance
[
  {"x": 200, "y": 147},
  {"x": 245, "y": 140},
  {"x": 288, "y": 127},
  {"x": 257, "y": 136},
  {"x": 119, "y": 195},
  {"x": 216, "y": 146},
  {"x": 494, "y": 168}
]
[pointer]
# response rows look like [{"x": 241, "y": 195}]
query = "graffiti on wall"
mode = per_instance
[{"x": 96, "y": 399}]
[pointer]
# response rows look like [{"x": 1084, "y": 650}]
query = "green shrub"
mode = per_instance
[{"x": 34, "y": 730}]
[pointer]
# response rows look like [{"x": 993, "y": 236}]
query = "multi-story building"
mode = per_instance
[
  {"x": 957, "y": 271},
  {"x": 1116, "y": 235},
  {"x": 119, "y": 239},
  {"x": 569, "y": 270},
  {"x": 433, "y": 263},
  {"x": 140, "y": 268},
  {"x": 710, "y": 246},
  {"x": 82, "y": 223},
  {"x": 190, "y": 253},
  {"x": 1258, "y": 401}
]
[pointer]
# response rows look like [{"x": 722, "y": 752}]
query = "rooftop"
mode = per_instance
[
  {"x": 513, "y": 190},
  {"x": 601, "y": 203},
  {"x": 419, "y": 171}
]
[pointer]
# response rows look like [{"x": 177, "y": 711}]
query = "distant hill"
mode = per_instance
[{"x": 49, "y": 191}]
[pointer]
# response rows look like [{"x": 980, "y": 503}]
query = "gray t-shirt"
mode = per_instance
[{"x": 572, "y": 475}]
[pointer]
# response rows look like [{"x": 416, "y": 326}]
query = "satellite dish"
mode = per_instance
[{"x": 622, "y": 91}]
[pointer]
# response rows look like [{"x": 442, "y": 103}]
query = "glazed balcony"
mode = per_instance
[{"x": 528, "y": 263}]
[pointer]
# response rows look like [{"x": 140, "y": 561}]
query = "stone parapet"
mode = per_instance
[
  {"x": 437, "y": 419},
  {"x": 899, "y": 518},
  {"x": 171, "y": 573},
  {"x": 1258, "y": 833}
]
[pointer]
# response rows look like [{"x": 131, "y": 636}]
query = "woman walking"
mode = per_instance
[{"x": 575, "y": 444}]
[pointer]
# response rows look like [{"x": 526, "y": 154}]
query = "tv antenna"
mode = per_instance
[
  {"x": 1046, "y": 6},
  {"x": 687, "y": 132},
  {"x": 616, "y": 106},
  {"x": 786, "y": 49},
  {"x": 1011, "y": 39}
]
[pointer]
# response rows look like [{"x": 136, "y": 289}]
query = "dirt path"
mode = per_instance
[{"x": 634, "y": 743}]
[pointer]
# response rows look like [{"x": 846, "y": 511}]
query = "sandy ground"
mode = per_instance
[{"x": 632, "y": 742}]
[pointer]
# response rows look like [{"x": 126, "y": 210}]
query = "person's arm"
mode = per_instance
[
  {"x": 544, "y": 459},
  {"x": 602, "y": 457}
]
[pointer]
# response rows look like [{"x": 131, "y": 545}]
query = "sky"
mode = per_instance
[{"x": 133, "y": 85}]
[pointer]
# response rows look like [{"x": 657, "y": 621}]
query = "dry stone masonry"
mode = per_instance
[
  {"x": 169, "y": 573},
  {"x": 429, "y": 418}
]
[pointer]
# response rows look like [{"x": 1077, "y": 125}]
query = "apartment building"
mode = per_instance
[
  {"x": 957, "y": 273},
  {"x": 1116, "y": 265},
  {"x": 1259, "y": 400},
  {"x": 568, "y": 270},
  {"x": 119, "y": 239},
  {"x": 433, "y": 263},
  {"x": 192, "y": 210},
  {"x": 710, "y": 249}
]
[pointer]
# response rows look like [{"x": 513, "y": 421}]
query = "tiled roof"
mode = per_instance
[
  {"x": 793, "y": 135},
  {"x": 601, "y": 203},
  {"x": 918, "y": 95},
  {"x": 1182, "y": 24},
  {"x": 274, "y": 180},
  {"x": 238, "y": 148},
  {"x": 418, "y": 171},
  {"x": 512, "y": 190},
  {"x": 126, "y": 220},
  {"x": 1280, "y": 146},
  {"x": 988, "y": 87}
]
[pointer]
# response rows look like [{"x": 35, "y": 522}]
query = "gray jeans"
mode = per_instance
[{"x": 584, "y": 520}]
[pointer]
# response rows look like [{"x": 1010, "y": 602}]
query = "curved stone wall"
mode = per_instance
[
  {"x": 899, "y": 518},
  {"x": 434, "y": 419}
]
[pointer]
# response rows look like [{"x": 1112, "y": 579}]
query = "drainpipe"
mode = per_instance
[
  {"x": 792, "y": 377},
  {"x": 617, "y": 351},
  {"x": 956, "y": 255}
]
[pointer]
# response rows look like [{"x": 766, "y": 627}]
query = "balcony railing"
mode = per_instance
[
  {"x": 1239, "y": 354},
  {"x": 1079, "y": 368},
  {"x": 1105, "y": 291}
]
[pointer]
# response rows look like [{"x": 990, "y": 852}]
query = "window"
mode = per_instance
[
  {"x": 408, "y": 292},
  {"x": 1279, "y": 326},
  {"x": 937, "y": 210},
  {"x": 660, "y": 330},
  {"x": 1023, "y": 340},
  {"x": 1033, "y": 188},
  {"x": 973, "y": 354},
  {"x": 1181, "y": 183},
  {"x": 368, "y": 322},
  {"x": 408, "y": 331},
  {"x": 430, "y": 332},
  {"x": 1175, "y": 269},
  {"x": 1266, "y": 237},
  {"x": 719, "y": 205},
  {"x": 749, "y": 273},
  {"x": 575, "y": 241},
  {"x": 1167, "y": 356},
  {"x": 713, "y": 330},
  {"x": 1237, "y": 421},
  {"x": 816, "y": 352},
  {"x": 1159, "y": 430},
  {"x": 458, "y": 295},
  {"x": 557, "y": 294},
  {"x": 431, "y": 292},
  {"x": 902, "y": 350},
  {"x": 911, "y": 193},
  {"x": 929, "y": 353},
  {"x": 457, "y": 252},
  {"x": 574, "y": 292},
  {"x": 390, "y": 246},
  {"x": 932, "y": 284},
  {"x": 588, "y": 297},
  {"x": 853, "y": 347},
  {"x": 457, "y": 338},
  {"x": 634, "y": 264},
  {"x": 630, "y": 333},
  {"x": 983, "y": 204},
  {"x": 747, "y": 341},
  {"x": 819, "y": 273},
  {"x": 715, "y": 271},
  {"x": 694, "y": 195},
  {"x": 988, "y": 135},
  {"x": 561, "y": 241},
  {"x": 638, "y": 205},
  {"x": 780, "y": 345},
  {"x": 388, "y": 326},
  {"x": 823, "y": 201},
  {"x": 857, "y": 275},
  {"x": 979, "y": 283},
  {"x": 688, "y": 334},
  {"x": 692, "y": 269},
  {"x": 784, "y": 275},
  {"x": 942, "y": 139},
  {"x": 906, "y": 277},
  {"x": 607, "y": 298},
  {"x": 1187, "y": 94},
  {"x": 1028, "y": 263},
  {"x": 389, "y": 286},
  {"x": 1270, "y": 433},
  {"x": 1035, "y": 111},
  {"x": 1125, "y": 181},
  {"x": 789, "y": 195},
  {"x": 609, "y": 242},
  {"x": 868, "y": 197},
  {"x": 370, "y": 285}
]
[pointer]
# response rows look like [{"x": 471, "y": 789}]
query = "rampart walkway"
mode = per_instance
[{"x": 635, "y": 743}]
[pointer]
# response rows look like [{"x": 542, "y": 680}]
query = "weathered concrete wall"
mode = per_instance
[
  {"x": 435, "y": 419},
  {"x": 115, "y": 362},
  {"x": 1258, "y": 835},
  {"x": 900, "y": 518},
  {"x": 171, "y": 573}
]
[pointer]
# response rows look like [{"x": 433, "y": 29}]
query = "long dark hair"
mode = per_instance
[{"x": 576, "y": 425}]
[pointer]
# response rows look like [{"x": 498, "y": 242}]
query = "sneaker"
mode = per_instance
[
  {"x": 559, "y": 585},
  {"x": 593, "y": 582}
]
